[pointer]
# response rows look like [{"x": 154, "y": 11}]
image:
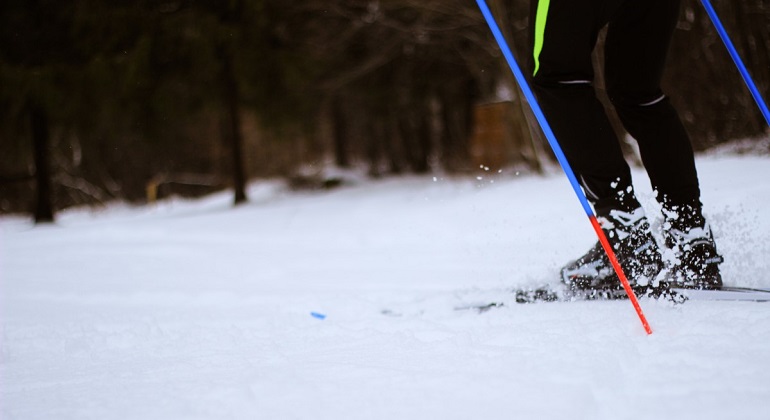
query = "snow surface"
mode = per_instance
[{"x": 196, "y": 310}]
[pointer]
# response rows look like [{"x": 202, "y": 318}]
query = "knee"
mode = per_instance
[
  {"x": 623, "y": 100},
  {"x": 563, "y": 88},
  {"x": 563, "y": 81}
]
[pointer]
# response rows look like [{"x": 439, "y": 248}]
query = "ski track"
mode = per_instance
[{"x": 195, "y": 310}]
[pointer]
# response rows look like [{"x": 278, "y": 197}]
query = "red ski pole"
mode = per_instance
[{"x": 561, "y": 158}]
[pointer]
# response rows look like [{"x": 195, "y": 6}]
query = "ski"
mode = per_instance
[
  {"x": 480, "y": 307},
  {"x": 565, "y": 294},
  {"x": 546, "y": 294},
  {"x": 747, "y": 294}
]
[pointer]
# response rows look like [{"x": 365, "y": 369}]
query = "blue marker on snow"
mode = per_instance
[{"x": 318, "y": 315}]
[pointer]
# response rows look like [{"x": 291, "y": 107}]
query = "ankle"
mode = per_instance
[{"x": 684, "y": 217}]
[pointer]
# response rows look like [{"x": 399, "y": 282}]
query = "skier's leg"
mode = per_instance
[
  {"x": 564, "y": 34},
  {"x": 635, "y": 53},
  {"x": 564, "y": 37}
]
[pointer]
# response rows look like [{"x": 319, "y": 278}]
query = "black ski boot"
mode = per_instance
[
  {"x": 629, "y": 234},
  {"x": 693, "y": 261}
]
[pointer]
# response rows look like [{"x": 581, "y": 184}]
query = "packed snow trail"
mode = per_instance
[{"x": 196, "y": 310}]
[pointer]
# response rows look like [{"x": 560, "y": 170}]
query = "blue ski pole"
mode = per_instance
[
  {"x": 522, "y": 81},
  {"x": 737, "y": 59}
]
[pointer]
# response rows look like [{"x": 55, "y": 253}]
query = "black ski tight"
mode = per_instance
[{"x": 639, "y": 32}]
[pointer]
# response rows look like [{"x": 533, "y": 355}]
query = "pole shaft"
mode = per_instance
[
  {"x": 737, "y": 59},
  {"x": 551, "y": 137}
]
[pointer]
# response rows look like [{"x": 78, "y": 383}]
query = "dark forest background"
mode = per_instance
[{"x": 134, "y": 100}]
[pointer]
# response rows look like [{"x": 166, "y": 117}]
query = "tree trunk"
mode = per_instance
[
  {"x": 456, "y": 119},
  {"x": 340, "y": 135},
  {"x": 424, "y": 138},
  {"x": 375, "y": 137},
  {"x": 43, "y": 210},
  {"x": 234, "y": 134},
  {"x": 392, "y": 144}
]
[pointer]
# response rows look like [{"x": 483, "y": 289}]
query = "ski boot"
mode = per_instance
[
  {"x": 695, "y": 262},
  {"x": 628, "y": 232}
]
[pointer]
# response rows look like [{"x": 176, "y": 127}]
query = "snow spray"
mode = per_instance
[{"x": 522, "y": 81}]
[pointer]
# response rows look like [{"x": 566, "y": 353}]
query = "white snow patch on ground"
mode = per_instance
[{"x": 196, "y": 310}]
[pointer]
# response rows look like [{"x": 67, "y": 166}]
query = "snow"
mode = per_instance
[{"x": 196, "y": 310}]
